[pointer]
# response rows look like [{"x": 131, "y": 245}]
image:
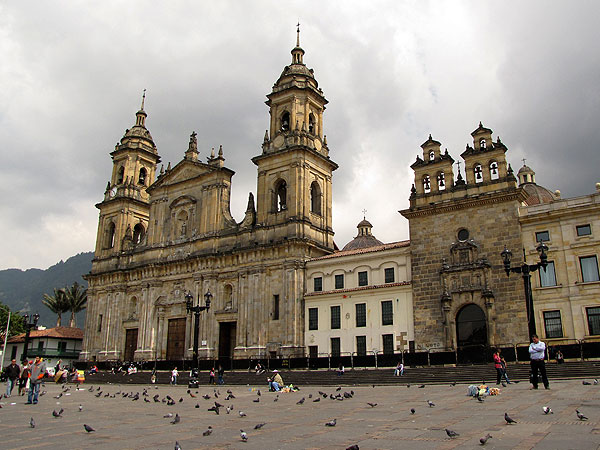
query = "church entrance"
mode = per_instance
[
  {"x": 176, "y": 339},
  {"x": 131, "y": 336},
  {"x": 471, "y": 335},
  {"x": 226, "y": 342}
]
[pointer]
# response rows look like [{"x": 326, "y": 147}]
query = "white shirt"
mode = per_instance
[{"x": 537, "y": 351}]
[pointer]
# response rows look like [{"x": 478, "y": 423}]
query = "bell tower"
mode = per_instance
[
  {"x": 294, "y": 169},
  {"x": 124, "y": 212}
]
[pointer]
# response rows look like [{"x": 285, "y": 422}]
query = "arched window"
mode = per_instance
[
  {"x": 285, "y": 121},
  {"x": 182, "y": 224},
  {"x": 441, "y": 180},
  {"x": 311, "y": 123},
  {"x": 427, "y": 184},
  {"x": 431, "y": 155},
  {"x": 121, "y": 175},
  {"x": 315, "y": 198},
  {"x": 478, "y": 173},
  {"x": 142, "y": 177},
  {"x": 138, "y": 233},
  {"x": 110, "y": 235},
  {"x": 494, "y": 170},
  {"x": 228, "y": 297},
  {"x": 280, "y": 197},
  {"x": 132, "y": 313},
  {"x": 482, "y": 143}
]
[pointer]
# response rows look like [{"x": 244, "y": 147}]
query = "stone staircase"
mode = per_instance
[{"x": 416, "y": 375}]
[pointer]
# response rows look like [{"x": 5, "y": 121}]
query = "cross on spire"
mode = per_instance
[
  {"x": 523, "y": 161},
  {"x": 298, "y": 34},
  {"x": 143, "y": 99},
  {"x": 364, "y": 211}
]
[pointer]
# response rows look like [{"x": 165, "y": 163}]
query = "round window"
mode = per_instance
[{"x": 463, "y": 234}]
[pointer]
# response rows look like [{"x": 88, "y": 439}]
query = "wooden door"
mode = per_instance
[
  {"x": 176, "y": 339},
  {"x": 131, "y": 337}
]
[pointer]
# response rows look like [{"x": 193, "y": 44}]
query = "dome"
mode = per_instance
[
  {"x": 364, "y": 239},
  {"x": 537, "y": 195},
  {"x": 525, "y": 169}
]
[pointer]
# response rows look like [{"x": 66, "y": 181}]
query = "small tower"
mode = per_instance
[
  {"x": 433, "y": 173},
  {"x": 485, "y": 161},
  {"x": 294, "y": 169},
  {"x": 126, "y": 202}
]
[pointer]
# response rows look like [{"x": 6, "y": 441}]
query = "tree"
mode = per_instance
[
  {"x": 57, "y": 303},
  {"x": 16, "y": 322},
  {"x": 76, "y": 298}
]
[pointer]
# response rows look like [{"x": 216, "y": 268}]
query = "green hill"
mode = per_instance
[{"x": 23, "y": 290}]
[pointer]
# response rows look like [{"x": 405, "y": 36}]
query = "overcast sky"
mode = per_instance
[{"x": 72, "y": 75}]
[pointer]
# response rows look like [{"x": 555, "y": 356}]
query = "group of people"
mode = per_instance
[
  {"x": 29, "y": 378},
  {"x": 537, "y": 354}
]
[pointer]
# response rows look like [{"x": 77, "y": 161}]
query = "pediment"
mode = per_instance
[{"x": 185, "y": 170}]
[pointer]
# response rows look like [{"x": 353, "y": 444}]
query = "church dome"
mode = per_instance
[
  {"x": 364, "y": 239},
  {"x": 536, "y": 195}
]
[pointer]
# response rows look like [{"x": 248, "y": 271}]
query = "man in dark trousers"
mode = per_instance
[
  {"x": 537, "y": 352},
  {"x": 38, "y": 371},
  {"x": 12, "y": 375}
]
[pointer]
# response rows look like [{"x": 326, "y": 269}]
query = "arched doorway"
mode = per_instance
[{"x": 471, "y": 334}]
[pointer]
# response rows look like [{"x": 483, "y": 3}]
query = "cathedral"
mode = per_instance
[
  {"x": 280, "y": 287},
  {"x": 162, "y": 237}
]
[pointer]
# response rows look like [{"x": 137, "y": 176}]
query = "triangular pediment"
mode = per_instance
[{"x": 185, "y": 170}]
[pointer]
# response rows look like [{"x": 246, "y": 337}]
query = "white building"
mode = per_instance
[
  {"x": 359, "y": 299},
  {"x": 52, "y": 344}
]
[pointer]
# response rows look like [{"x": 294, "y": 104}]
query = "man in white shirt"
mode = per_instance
[{"x": 537, "y": 352}]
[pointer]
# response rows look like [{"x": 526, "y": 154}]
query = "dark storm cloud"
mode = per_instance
[{"x": 73, "y": 74}]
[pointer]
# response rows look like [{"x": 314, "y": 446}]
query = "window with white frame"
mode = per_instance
[
  {"x": 589, "y": 268},
  {"x": 547, "y": 276}
]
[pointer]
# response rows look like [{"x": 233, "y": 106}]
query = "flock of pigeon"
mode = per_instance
[{"x": 216, "y": 407}]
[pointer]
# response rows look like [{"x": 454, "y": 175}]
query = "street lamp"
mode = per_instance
[
  {"x": 189, "y": 300},
  {"x": 29, "y": 324},
  {"x": 525, "y": 271}
]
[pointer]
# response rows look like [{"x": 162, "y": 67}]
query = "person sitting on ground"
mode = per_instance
[
  {"x": 259, "y": 369},
  {"x": 276, "y": 382},
  {"x": 340, "y": 370},
  {"x": 399, "y": 370},
  {"x": 559, "y": 357}
]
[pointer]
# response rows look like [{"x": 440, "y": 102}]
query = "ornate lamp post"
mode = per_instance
[
  {"x": 29, "y": 324},
  {"x": 189, "y": 300},
  {"x": 525, "y": 271}
]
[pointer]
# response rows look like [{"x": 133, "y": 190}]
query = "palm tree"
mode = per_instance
[
  {"x": 76, "y": 298},
  {"x": 56, "y": 303}
]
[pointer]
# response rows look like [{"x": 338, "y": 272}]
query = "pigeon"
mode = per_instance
[
  {"x": 353, "y": 447},
  {"x": 258, "y": 392},
  {"x": 177, "y": 419},
  {"x": 80, "y": 407},
  {"x": 91, "y": 389},
  {"x": 372, "y": 405},
  {"x": 197, "y": 405},
  {"x": 32, "y": 423},
  {"x": 422, "y": 386},
  {"x": 580, "y": 416},
  {"x": 430, "y": 403},
  {"x": 218, "y": 405},
  {"x": 59, "y": 396},
  {"x": 318, "y": 399},
  {"x": 408, "y": 385},
  {"x": 340, "y": 388},
  {"x": 547, "y": 410},
  {"x": 508, "y": 419},
  {"x": 347, "y": 395},
  {"x": 88, "y": 428},
  {"x": 229, "y": 391},
  {"x": 44, "y": 393},
  {"x": 228, "y": 410},
  {"x": 146, "y": 400},
  {"x": 484, "y": 439},
  {"x": 215, "y": 409},
  {"x": 331, "y": 423},
  {"x": 451, "y": 433},
  {"x": 584, "y": 382},
  {"x": 453, "y": 383},
  {"x": 276, "y": 398},
  {"x": 207, "y": 432},
  {"x": 301, "y": 401},
  {"x": 242, "y": 414},
  {"x": 57, "y": 414},
  {"x": 206, "y": 396},
  {"x": 243, "y": 435},
  {"x": 98, "y": 388},
  {"x": 323, "y": 394},
  {"x": 258, "y": 426},
  {"x": 503, "y": 384},
  {"x": 177, "y": 446},
  {"x": 412, "y": 410},
  {"x": 595, "y": 381},
  {"x": 98, "y": 394},
  {"x": 480, "y": 399},
  {"x": 256, "y": 400},
  {"x": 181, "y": 400},
  {"x": 309, "y": 395},
  {"x": 167, "y": 416}
]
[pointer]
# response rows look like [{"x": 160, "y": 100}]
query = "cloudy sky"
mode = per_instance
[{"x": 72, "y": 74}]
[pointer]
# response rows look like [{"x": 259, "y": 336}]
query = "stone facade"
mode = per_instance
[
  {"x": 160, "y": 240},
  {"x": 457, "y": 230}
]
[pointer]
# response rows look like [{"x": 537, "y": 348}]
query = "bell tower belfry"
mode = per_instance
[
  {"x": 294, "y": 170},
  {"x": 124, "y": 212}
]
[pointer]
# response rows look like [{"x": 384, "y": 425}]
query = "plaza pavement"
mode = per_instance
[{"x": 122, "y": 423}]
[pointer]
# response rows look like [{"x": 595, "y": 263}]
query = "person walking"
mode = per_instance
[
  {"x": 537, "y": 352},
  {"x": 38, "y": 370},
  {"x": 211, "y": 376},
  {"x": 12, "y": 372},
  {"x": 174, "y": 375},
  {"x": 221, "y": 372},
  {"x": 24, "y": 378}
]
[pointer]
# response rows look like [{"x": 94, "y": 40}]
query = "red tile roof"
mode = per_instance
[
  {"x": 57, "y": 332},
  {"x": 360, "y": 251}
]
